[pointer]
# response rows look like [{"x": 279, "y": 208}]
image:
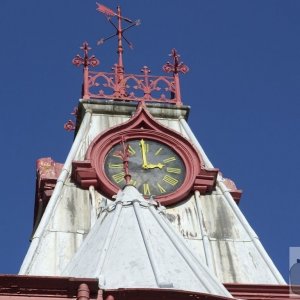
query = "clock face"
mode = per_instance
[{"x": 154, "y": 167}]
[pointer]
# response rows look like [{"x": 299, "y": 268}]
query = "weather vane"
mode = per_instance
[{"x": 119, "y": 30}]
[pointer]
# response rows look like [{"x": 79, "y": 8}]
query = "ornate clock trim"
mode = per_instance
[{"x": 142, "y": 125}]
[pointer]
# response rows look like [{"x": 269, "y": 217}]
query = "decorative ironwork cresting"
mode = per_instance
[
  {"x": 175, "y": 68},
  {"x": 70, "y": 124},
  {"x": 118, "y": 85},
  {"x": 86, "y": 61}
]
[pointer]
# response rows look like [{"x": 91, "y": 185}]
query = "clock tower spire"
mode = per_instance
[{"x": 137, "y": 204}]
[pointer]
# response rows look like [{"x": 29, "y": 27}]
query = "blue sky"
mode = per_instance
[{"x": 243, "y": 89}]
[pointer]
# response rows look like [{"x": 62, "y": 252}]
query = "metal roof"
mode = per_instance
[
  {"x": 212, "y": 225},
  {"x": 132, "y": 245}
]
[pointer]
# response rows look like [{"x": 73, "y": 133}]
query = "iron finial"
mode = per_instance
[
  {"x": 175, "y": 68},
  {"x": 177, "y": 65},
  {"x": 86, "y": 61}
]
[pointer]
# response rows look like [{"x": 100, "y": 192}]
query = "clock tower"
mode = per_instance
[{"x": 138, "y": 207}]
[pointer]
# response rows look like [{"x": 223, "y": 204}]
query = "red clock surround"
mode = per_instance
[{"x": 143, "y": 125}]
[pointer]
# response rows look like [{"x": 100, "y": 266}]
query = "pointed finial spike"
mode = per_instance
[
  {"x": 177, "y": 65},
  {"x": 120, "y": 31}
]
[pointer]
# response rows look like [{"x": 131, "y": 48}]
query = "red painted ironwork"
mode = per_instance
[
  {"x": 138, "y": 88},
  {"x": 103, "y": 85},
  {"x": 70, "y": 125},
  {"x": 107, "y": 11},
  {"x": 86, "y": 61},
  {"x": 175, "y": 68},
  {"x": 75, "y": 112},
  {"x": 120, "y": 31},
  {"x": 120, "y": 34},
  {"x": 142, "y": 125},
  {"x": 118, "y": 85},
  {"x": 125, "y": 157}
]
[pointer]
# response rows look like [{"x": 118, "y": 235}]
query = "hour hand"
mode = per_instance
[{"x": 152, "y": 166}]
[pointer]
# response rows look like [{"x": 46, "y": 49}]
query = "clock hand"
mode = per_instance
[
  {"x": 143, "y": 148},
  {"x": 152, "y": 166},
  {"x": 144, "y": 157}
]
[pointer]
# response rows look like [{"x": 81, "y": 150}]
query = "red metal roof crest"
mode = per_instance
[{"x": 118, "y": 85}]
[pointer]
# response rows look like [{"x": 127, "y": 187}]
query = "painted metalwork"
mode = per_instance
[
  {"x": 133, "y": 245},
  {"x": 125, "y": 158},
  {"x": 119, "y": 32},
  {"x": 56, "y": 287},
  {"x": 132, "y": 87},
  {"x": 175, "y": 68},
  {"x": 117, "y": 85},
  {"x": 86, "y": 61},
  {"x": 70, "y": 124}
]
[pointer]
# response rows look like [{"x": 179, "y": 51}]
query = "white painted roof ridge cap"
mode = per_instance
[{"x": 128, "y": 196}]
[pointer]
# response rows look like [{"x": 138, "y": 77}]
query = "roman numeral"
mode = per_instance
[
  {"x": 170, "y": 180},
  {"x": 169, "y": 159},
  {"x": 158, "y": 151},
  {"x": 131, "y": 150},
  {"x": 146, "y": 188},
  {"x": 118, "y": 177},
  {"x": 161, "y": 189},
  {"x": 174, "y": 170},
  {"x": 115, "y": 166},
  {"x": 133, "y": 182}
]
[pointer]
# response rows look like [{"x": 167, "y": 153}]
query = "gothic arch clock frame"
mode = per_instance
[{"x": 179, "y": 179}]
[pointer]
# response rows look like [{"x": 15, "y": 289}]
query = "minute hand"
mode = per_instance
[{"x": 145, "y": 163}]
